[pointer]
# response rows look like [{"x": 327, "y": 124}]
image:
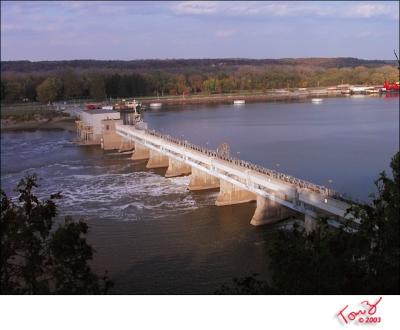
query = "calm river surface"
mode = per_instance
[{"x": 154, "y": 236}]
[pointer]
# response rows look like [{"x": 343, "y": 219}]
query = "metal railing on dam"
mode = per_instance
[
  {"x": 248, "y": 165},
  {"x": 300, "y": 183},
  {"x": 296, "y": 193}
]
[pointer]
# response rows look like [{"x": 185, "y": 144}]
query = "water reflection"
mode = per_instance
[{"x": 346, "y": 140}]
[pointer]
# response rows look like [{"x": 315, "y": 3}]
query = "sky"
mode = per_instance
[{"x": 43, "y": 30}]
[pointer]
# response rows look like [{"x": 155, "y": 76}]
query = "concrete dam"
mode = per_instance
[{"x": 278, "y": 196}]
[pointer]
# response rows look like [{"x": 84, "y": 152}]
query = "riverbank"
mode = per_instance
[
  {"x": 61, "y": 123},
  {"x": 270, "y": 96}
]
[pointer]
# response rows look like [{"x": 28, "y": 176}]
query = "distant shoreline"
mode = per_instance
[{"x": 267, "y": 97}]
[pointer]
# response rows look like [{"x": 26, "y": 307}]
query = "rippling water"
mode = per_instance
[
  {"x": 149, "y": 232},
  {"x": 152, "y": 234}
]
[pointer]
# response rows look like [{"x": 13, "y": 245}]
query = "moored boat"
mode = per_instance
[
  {"x": 391, "y": 87},
  {"x": 237, "y": 102}
]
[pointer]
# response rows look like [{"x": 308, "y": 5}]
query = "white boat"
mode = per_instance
[
  {"x": 316, "y": 100},
  {"x": 239, "y": 102},
  {"x": 107, "y": 107},
  {"x": 155, "y": 105},
  {"x": 360, "y": 89}
]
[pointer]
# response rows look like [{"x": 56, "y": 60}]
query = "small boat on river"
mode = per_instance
[
  {"x": 155, "y": 105},
  {"x": 239, "y": 102},
  {"x": 316, "y": 100}
]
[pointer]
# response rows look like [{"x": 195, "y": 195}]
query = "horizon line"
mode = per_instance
[{"x": 199, "y": 58}]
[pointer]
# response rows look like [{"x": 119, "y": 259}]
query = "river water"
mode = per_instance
[{"x": 152, "y": 234}]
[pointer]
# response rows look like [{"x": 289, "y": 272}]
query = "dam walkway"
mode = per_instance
[{"x": 279, "y": 196}]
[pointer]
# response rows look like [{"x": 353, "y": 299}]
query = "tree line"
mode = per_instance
[
  {"x": 99, "y": 85},
  {"x": 181, "y": 65}
]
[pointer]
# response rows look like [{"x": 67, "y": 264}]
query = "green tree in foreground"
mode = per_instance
[
  {"x": 39, "y": 257},
  {"x": 338, "y": 261},
  {"x": 378, "y": 238}
]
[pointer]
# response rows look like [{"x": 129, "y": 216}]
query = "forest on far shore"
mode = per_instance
[{"x": 49, "y": 81}]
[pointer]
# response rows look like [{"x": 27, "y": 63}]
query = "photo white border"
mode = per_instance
[{"x": 189, "y": 312}]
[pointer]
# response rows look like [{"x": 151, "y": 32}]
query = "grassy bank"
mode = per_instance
[{"x": 33, "y": 116}]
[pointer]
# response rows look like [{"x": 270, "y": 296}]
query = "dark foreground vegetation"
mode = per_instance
[
  {"x": 49, "y": 81},
  {"x": 40, "y": 255},
  {"x": 338, "y": 261}
]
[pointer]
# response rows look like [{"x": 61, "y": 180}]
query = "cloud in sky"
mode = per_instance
[
  {"x": 197, "y": 29},
  {"x": 373, "y": 10},
  {"x": 289, "y": 9},
  {"x": 197, "y": 7}
]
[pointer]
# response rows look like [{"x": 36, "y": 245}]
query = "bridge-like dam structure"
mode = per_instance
[{"x": 278, "y": 196}]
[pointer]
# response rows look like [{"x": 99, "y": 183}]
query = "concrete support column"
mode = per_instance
[
  {"x": 126, "y": 145},
  {"x": 230, "y": 194},
  {"x": 200, "y": 180},
  {"x": 310, "y": 223},
  {"x": 269, "y": 212},
  {"x": 110, "y": 139},
  {"x": 141, "y": 152},
  {"x": 177, "y": 168},
  {"x": 157, "y": 160}
]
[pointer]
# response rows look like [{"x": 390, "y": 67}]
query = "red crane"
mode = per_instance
[{"x": 394, "y": 86}]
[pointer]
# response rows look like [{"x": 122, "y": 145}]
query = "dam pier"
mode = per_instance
[{"x": 278, "y": 196}]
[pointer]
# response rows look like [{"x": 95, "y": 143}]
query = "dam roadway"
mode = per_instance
[{"x": 278, "y": 196}]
